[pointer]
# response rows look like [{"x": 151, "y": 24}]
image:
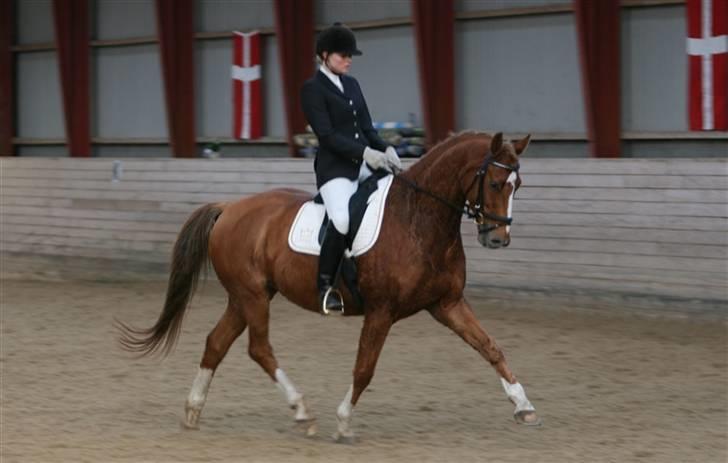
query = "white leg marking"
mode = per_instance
[
  {"x": 198, "y": 396},
  {"x": 517, "y": 395},
  {"x": 343, "y": 416},
  {"x": 512, "y": 182},
  {"x": 200, "y": 386},
  {"x": 294, "y": 398}
]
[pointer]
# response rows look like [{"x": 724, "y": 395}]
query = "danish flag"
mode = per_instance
[
  {"x": 247, "y": 107},
  {"x": 707, "y": 47}
]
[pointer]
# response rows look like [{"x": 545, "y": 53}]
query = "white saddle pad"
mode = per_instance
[{"x": 304, "y": 233}]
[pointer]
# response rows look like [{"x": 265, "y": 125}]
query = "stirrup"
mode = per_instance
[{"x": 325, "y": 299}]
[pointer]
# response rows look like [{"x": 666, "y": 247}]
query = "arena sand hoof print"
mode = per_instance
[
  {"x": 307, "y": 427},
  {"x": 527, "y": 418},
  {"x": 347, "y": 437}
]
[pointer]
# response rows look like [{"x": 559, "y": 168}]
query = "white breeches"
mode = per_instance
[{"x": 336, "y": 194}]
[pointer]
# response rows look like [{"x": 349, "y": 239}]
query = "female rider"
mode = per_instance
[{"x": 349, "y": 147}]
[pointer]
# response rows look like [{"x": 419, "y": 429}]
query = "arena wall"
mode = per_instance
[
  {"x": 637, "y": 229},
  {"x": 516, "y": 70}
]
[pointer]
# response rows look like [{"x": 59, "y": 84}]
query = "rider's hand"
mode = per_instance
[
  {"x": 376, "y": 159},
  {"x": 393, "y": 159}
]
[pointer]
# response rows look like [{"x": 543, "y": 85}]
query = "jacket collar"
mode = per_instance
[
  {"x": 330, "y": 85},
  {"x": 333, "y": 77}
]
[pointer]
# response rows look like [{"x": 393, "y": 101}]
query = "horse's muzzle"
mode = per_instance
[{"x": 493, "y": 240}]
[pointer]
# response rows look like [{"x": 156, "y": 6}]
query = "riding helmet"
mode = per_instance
[{"x": 337, "y": 39}]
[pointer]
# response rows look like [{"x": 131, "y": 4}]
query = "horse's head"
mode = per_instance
[{"x": 490, "y": 194}]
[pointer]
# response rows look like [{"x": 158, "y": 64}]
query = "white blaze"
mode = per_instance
[{"x": 512, "y": 182}]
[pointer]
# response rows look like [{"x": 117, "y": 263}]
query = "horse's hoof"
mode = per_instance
[
  {"x": 192, "y": 419},
  {"x": 344, "y": 438},
  {"x": 308, "y": 427},
  {"x": 527, "y": 418},
  {"x": 189, "y": 426}
]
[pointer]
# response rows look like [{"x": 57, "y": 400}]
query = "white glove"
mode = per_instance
[
  {"x": 393, "y": 159},
  {"x": 376, "y": 159}
]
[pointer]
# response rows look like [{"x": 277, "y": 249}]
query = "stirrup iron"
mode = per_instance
[{"x": 331, "y": 290}]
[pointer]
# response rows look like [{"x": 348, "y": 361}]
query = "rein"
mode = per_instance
[{"x": 477, "y": 211}]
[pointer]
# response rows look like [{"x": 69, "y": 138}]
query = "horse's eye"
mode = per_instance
[{"x": 494, "y": 186}]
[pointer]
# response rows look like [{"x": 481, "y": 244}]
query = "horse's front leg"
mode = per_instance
[
  {"x": 373, "y": 333},
  {"x": 459, "y": 317}
]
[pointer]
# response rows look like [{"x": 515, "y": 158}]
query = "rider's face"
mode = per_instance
[{"x": 337, "y": 62}]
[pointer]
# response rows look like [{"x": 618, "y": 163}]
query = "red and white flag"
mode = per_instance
[
  {"x": 708, "y": 60},
  {"x": 247, "y": 106}
]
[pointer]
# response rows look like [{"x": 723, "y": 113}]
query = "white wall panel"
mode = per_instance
[
  {"x": 44, "y": 151},
  {"x": 40, "y": 103},
  {"x": 34, "y": 21},
  {"x": 518, "y": 74},
  {"x": 273, "y": 98},
  {"x": 213, "y": 60},
  {"x": 387, "y": 73},
  {"x": 129, "y": 95},
  {"x": 122, "y": 19},
  {"x": 331, "y": 11},
  {"x": 654, "y": 69},
  {"x": 479, "y": 5},
  {"x": 242, "y": 15}
]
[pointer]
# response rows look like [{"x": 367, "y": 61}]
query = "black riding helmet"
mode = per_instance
[{"x": 337, "y": 39}]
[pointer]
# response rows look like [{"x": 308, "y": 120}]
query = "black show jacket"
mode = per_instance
[{"x": 342, "y": 123}]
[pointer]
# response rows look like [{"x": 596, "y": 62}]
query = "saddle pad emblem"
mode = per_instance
[{"x": 303, "y": 236}]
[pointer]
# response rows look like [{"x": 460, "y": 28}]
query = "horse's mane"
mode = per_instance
[
  {"x": 443, "y": 146},
  {"x": 457, "y": 137}
]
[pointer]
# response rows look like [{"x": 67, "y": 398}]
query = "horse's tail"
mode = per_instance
[{"x": 189, "y": 258}]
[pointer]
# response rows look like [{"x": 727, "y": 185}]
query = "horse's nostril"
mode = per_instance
[{"x": 496, "y": 241}]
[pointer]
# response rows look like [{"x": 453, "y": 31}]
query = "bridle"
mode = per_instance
[{"x": 475, "y": 211}]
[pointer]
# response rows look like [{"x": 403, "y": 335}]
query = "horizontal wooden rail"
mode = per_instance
[{"x": 649, "y": 227}]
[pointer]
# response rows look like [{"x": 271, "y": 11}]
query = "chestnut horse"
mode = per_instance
[{"x": 246, "y": 241}]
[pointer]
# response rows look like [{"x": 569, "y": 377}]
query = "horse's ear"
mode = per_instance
[
  {"x": 496, "y": 143},
  {"x": 521, "y": 145}
]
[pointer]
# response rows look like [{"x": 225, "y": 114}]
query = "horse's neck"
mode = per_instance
[{"x": 438, "y": 175}]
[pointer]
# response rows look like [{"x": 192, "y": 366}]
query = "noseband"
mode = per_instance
[{"x": 477, "y": 211}]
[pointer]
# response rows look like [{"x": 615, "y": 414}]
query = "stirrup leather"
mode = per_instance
[{"x": 325, "y": 300}]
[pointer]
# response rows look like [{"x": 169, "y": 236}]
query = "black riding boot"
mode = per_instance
[{"x": 332, "y": 250}]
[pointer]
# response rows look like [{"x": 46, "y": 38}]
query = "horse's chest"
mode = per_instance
[{"x": 434, "y": 275}]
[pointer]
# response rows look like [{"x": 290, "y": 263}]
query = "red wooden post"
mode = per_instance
[
  {"x": 73, "y": 42},
  {"x": 7, "y": 74},
  {"x": 295, "y": 33},
  {"x": 434, "y": 22},
  {"x": 597, "y": 24},
  {"x": 176, "y": 31}
]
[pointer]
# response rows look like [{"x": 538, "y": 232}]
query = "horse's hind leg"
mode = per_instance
[
  {"x": 459, "y": 317},
  {"x": 227, "y": 330},
  {"x": 257, "y": 314}
]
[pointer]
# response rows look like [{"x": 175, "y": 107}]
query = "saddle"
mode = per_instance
[{"x": 366, "y": 211}]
